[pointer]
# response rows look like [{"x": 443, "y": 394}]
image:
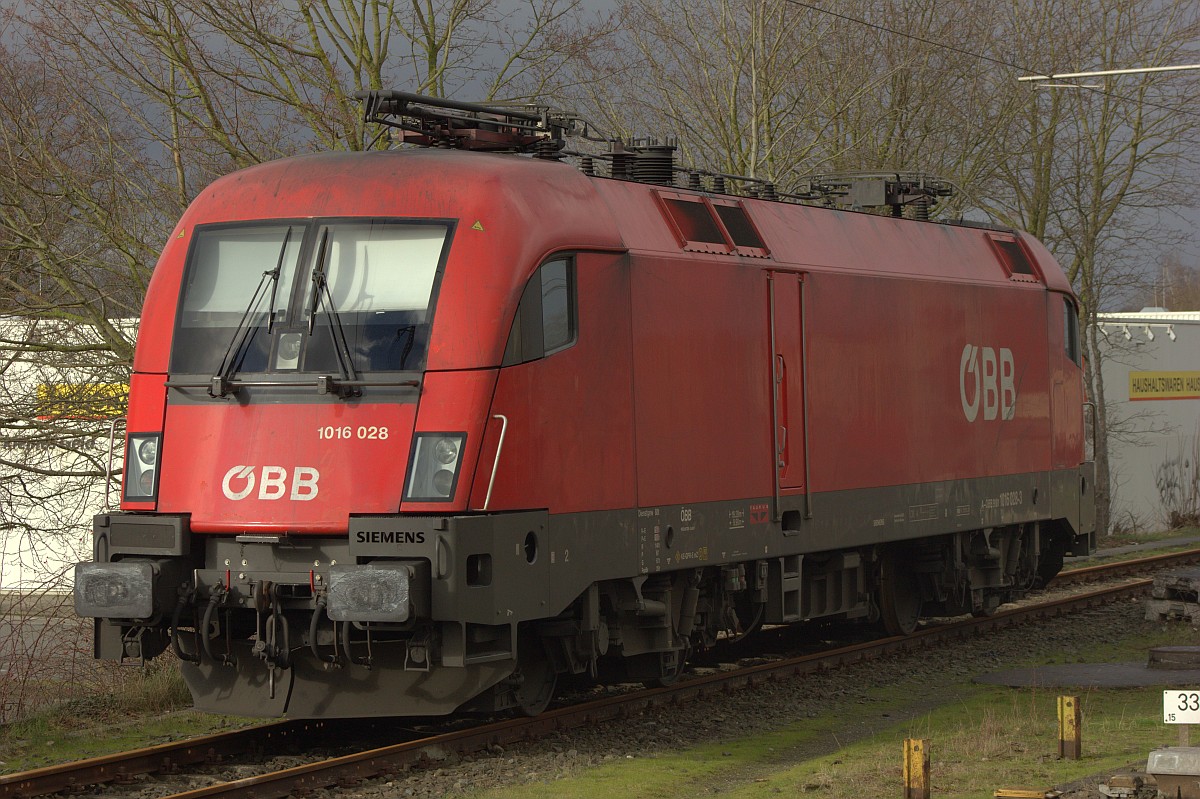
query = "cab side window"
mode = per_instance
[
  {"x": 545, "y": 320},
  {"x": 1071, "y": 330}
]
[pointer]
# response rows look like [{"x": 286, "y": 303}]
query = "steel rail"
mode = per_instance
[
  {"x": 162, "y": 758},
  {"x": 1120, "y": 568},
  {"x": 396, "y": 758}
]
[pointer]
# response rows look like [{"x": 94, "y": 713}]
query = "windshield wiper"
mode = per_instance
[
  {"x": 341, "y": 346},
  {"x": 219, "y": 385},
  {"x": 318, "y": 279},
  {"x": 411, "y": 330},
  {"x": 275, "y": 280}
]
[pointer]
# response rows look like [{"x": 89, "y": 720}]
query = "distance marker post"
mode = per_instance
[
  {"x": 1069, "y": 728},
  {"x": 916, "y": 768}
]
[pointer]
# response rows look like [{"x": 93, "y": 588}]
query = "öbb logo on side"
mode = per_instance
[
  {"x": 987, "y": 378},
  {"x": 272, "y": 481}
]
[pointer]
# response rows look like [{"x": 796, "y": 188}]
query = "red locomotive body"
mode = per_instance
[{"x": 411, "y": 431}]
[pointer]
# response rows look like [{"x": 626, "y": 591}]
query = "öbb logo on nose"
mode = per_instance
[
  {"x": 988, "y": 380},
  {"x": 272, "y": 482}
]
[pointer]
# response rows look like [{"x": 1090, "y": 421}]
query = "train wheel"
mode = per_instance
[
  {"x": 899, "y": 595},
  {"x": 538, "y": 680}
]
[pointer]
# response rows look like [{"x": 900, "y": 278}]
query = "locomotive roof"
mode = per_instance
[
  {"x": 367, "y": 183},
  {"x": 561, "y": 207},
  {"x": 531, "y": 206},
  {"x": 511, "y": 212}
]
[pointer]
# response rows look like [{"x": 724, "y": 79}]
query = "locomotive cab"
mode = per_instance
[{"x": 311, "y": 424}]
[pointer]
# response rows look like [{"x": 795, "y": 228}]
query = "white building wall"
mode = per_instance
[
  {"x": 46, "y": 498},
  {"x": 1151, "y": 374}
]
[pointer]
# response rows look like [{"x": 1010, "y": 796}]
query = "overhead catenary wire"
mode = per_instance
[
  {"x": 1100, "y": 73},
  {"x": 1007, "y": 64}
]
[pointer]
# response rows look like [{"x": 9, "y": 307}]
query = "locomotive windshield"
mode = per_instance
[{"x": 317, "y": 297}]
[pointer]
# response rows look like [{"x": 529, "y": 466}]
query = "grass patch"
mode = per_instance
[
  {"x": 981, "y": 738},
  {"x": 1120, "y": 539},
  {"x": 1164, "y": 549},
  {"x": 992, "y": 739},
  {"x": 678, "y": 774},
  {"x": 39, "y": 742},
  {"x": 1162, "y": 538},
  {"x": 143, "y": 708},
  {"x": 1128, "y": 537}
]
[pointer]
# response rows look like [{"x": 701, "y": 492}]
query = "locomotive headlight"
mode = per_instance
[
  {"x": 148, "y": 451},
  {"x": 446, "y": 450},
  {"x": 434, "y": 466},
  {"x": 141, "y": 467},
  {"x": 146, "y": 483},
  {"x": 375, "y": 592},
  {"x": 383, "y": 591},
  {"x": 287, "y": 353},
  {"x": 443, "y": 481},
  {"x": 122, "y": 590}
]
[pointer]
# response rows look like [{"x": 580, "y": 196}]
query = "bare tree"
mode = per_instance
[
  {"x": 63, "y": 291},
  {"x": 718, "y": 73},
  {"x": 1174, "y": 285}
]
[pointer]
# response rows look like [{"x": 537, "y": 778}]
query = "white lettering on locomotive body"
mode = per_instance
[
  {"x": 304, "y": 483},
  {"x": 272, "y": 482},
  {"x": 241, "y": 473},
  {"x": 987, "y": 379}
]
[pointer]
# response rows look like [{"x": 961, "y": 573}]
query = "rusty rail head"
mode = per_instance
[
  {"x": 164, "y": 758},
  {"x": 1118, "y": 568}
]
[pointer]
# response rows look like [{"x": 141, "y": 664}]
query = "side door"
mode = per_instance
[{"x": 788, "y": 381}]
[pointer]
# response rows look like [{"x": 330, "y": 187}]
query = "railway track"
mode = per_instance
[
  {"x": 418, "y": 749},
  {"x": 1115, "y": 569}
]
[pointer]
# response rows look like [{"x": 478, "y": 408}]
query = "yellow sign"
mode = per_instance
[
  {"x": 1164, "y": 385},
  {"x": 81, "y": 400}
]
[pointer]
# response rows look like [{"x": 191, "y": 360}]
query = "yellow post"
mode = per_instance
[
  {"x": 1069, "y": 728},
  {"x": 916, "y": 768}
]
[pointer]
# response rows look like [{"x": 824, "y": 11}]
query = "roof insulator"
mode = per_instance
[
  {"x": 621, "y": 160},
  {"x": 655, "y": 164},
  {"x": 548, "y": 149}
]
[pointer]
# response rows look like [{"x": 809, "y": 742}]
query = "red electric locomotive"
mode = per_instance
[{"x": 418, "y": 430}]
